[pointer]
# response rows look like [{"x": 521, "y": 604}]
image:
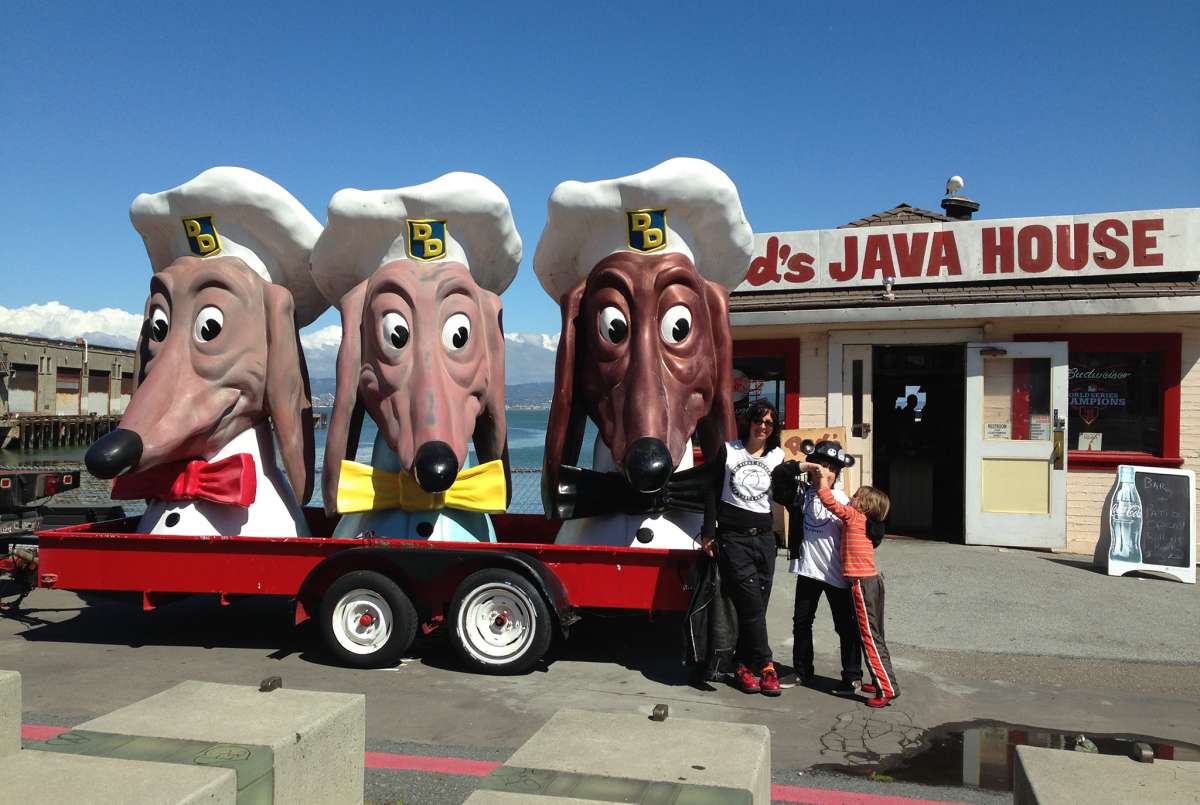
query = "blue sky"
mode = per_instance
[{"x": 820, "y": 115}]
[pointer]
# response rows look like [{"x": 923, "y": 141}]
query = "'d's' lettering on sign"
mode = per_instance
[{"x": 977, "y": 251}]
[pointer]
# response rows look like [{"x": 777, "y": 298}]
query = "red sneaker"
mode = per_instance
[
  {"x": 745, "y": 681},
  {"x": 868, "y": 688},
  {"x": 880, "y": 701},
  {"x": 768, "y": 681}
]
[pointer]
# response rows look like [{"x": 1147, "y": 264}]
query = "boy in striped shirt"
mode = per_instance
[{"x": 862, "y": 533}]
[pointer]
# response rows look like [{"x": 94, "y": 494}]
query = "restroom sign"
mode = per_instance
[{"x": 1115, "y": 245}]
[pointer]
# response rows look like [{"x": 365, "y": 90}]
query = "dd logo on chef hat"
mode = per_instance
[
  {"x": 202, "y": 235},
  {"x": 647, "y": 230},
  {"x": 426, "y": 238}
]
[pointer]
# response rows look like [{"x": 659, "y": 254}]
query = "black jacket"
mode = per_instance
[
  {"x": 710, "y": 630},
  {"x": 787, "y": 489}
]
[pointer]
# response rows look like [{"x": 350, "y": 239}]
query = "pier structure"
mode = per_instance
[{"x": 56, "y": 392}]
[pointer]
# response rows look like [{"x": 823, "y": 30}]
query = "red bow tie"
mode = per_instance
[{"x": 231, "y": 480}]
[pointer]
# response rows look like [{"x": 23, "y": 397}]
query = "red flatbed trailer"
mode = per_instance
[{"x": 501, "y": 601}]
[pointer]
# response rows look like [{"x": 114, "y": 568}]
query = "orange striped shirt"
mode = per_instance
[{"x": 858, "y": 554}]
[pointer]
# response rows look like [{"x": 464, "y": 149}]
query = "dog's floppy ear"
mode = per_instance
[
  {"x": 564, "y": 430},
  {"x": 720, "y": 424},
  {"x": 287, "y": 394},
  {"x": 142, "y": 356},
  {"x": 491, "y": 426},
  {"x": 346, "y": 418}
]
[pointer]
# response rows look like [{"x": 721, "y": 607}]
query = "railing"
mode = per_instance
[{"x": 526, "y": 483}]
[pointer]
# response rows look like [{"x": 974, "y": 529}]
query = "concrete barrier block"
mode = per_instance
[
  {"x": 1058, "y": 777},
  {"x": 10, "y": 712},
  {"x": 31, "y": 776},
  {"x": 621, "y": 752},
  {"x": 317, "y": 739}
]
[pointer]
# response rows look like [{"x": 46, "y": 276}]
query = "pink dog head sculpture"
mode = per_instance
[
  {"x": 219, "y": 356},
  {"x": 416, "y": 273},
  {"x": 641, "y": 267}
]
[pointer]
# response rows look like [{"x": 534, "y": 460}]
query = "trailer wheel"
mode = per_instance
[
  {"x": 366, "y": 620},
  {"x": 501, "y": 622}
]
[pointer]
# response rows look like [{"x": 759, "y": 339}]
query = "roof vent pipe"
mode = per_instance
[{"x": 956, "y": 205}]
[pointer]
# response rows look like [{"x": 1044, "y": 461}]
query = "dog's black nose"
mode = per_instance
[
  {"x": 648, "y": 464},
  {"x": 113, "y": 453},
  {"x": 435, "y": 466}
]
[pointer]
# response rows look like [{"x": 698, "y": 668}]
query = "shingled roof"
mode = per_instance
[{"x": 900, "y": 214}]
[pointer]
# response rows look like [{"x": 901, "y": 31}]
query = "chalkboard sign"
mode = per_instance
[{"x": 1151, "y": 519}]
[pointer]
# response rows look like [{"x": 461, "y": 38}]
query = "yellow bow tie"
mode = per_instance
[{"x": 362, "y": 488}]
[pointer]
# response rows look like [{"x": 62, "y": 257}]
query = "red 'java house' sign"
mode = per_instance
[{"x": 1115, "y": 244}]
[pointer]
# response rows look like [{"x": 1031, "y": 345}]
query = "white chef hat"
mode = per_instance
[
  {"x": 462, "y": 217},
  {"x": 681, "y": 205},
  {"x": 234, "y": 212}
]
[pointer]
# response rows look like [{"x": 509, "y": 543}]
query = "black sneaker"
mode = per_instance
[
  {"x": 844, "y": 688},
  {"x": 794, "y": 679},
  {"x": 789, "y": 680}
]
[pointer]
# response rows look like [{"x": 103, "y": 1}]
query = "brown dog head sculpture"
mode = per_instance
[
  {"x": 645, "y": 352},
  {"x": 422, "y": 326},
  {"x": 641, "y": 267},
  {"x": 217, "y": 355},
  {"x": 219, "y": 350}
]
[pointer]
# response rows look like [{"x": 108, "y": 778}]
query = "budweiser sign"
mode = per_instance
[{"x": 1116, "y": 245}]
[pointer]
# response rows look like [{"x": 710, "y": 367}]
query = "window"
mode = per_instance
[
  {"x": 1122, "y": 398},
  {"x": 756, "y": 379},
  {"x": 771, "y": 370},
  {"x": 1115, "y": 401}
]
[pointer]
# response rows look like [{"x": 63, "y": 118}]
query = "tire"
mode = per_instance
[
  {"x": 500, "y": 622},
  {"x": 379, "y": 642}
]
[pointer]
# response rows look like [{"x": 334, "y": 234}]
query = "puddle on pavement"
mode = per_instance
[{"x": 981, "y": 754}]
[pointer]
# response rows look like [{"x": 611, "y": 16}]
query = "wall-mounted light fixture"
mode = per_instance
[{"x": 888, "y": 284}]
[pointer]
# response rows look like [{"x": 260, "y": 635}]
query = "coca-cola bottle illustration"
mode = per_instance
[{"x": 1125, "y": 519}]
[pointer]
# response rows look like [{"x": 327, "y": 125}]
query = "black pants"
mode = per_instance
[
  {"x": 867, "y": 597},
  {"x": 747, "y": 565},
  {"x": 808, "y": 596}
]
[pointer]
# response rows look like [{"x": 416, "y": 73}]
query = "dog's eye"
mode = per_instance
[
  {"x": 456, "y": 332},
  {"x": 208, "y": 324},
  {"x": 676, "y": 325},
  {"x": 395, "y": 332},
  {"x": 613, "y": 325},
  {"x": 160, "y": 324}
]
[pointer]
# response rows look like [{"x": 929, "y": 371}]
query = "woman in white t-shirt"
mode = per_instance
[{"x": 739, "y": 532}]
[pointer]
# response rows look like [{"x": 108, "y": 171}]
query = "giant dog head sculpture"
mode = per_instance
[
  {"x": 641, "y": 267},
  {"x": 219, "y": 352},
  {"x": 416, "y": 273}
]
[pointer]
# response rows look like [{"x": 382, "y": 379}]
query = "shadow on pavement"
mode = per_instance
[
  {"x": 649, "y": 647},
  {"x": 1078, "y": 564},
  {"x": 260, "y": 622}
]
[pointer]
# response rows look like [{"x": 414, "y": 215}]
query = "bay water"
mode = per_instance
[{"x": 526, "y": 447}]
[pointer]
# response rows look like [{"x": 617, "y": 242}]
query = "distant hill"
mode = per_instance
[{"x": 529, "y": 394}]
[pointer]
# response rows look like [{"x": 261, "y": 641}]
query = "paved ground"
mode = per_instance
[{"x": 977, "y": 634}]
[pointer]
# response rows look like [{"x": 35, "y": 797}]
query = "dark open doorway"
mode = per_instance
[{"x": 919, "y": 396}]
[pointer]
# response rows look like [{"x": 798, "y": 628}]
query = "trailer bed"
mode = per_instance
[{"x": 110, "y": 557}]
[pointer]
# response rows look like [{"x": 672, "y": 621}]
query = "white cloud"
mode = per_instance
[
  {"x": 322, "y": 338},
  {"x": 543, "y": 340},
  {"x": 530, "y": 356},
  {"x": 56, "y": 320}
]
